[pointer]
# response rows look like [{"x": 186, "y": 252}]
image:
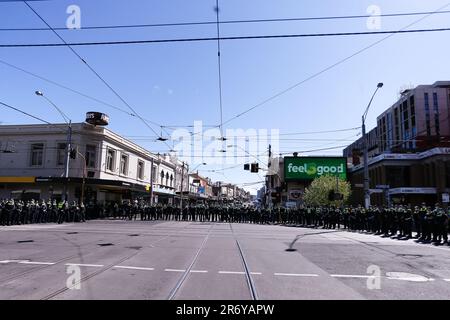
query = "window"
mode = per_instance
[
  {"x": 37, "y": 153},
  {"x": 110, "y": 160},
  {"x": 140, "y": 170},
  {"x": 162, "y": 176},
  {"x": 436, "y": 113},
  {"x": 413, "y": 111},
  {"x": 171, "y": 180},
  {"x": 154, "y": 174},
  {"x": 167, "y": 179},
  {"x": 61, "y": 154},
  {"x": 90, "y": 156},
  {"x": 124, "y": 164},
  {"x": 427, "y": 113}
]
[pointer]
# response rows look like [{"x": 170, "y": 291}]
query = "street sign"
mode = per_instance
[{"x": 445, "y": 198}]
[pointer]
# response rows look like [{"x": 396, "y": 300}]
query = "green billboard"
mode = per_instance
[{"x": 311, "y": 168}]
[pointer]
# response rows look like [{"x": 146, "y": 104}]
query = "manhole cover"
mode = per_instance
[
  {"x": 105, "y": 244},
  {"x": 133, "y": 235},
  {"x": 25, "y": 241}
]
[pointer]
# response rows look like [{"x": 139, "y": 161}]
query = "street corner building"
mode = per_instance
[
  {"x": 288, "y": 178},
  {"x": 408, "y": 150},
  {"x": 103, "y": 167}
]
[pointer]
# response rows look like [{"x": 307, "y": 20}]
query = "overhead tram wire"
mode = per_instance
[
  {"x": 109, "y": 105},
  {"x": 338, "y": 63},
  {"x": 25, "y": 113},
  {"x": 219, "y": 65},
  {"x": 93, "y": 71},
  {"x": 276, "y": 36},
  {"x": 193, "y": 23}
]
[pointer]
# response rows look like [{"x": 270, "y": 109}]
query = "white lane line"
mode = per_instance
[
  {"x": 448, "y": 280},
  {"x": 38, "y": 263},
  {"x": 85, "y": 265},
  {"x": 257, "y": 273},
  {"x": 351, "y": 276},
  {"x": 134, "y": 268},
  {"x": 12, "y": 261},
  {"x": 199, "y": 271},
  {"x": 296, "y": 274},
  {"x": 174, "y": 270},
  {"x": 231, "y": 272}
]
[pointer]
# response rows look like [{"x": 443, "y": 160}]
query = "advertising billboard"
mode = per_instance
[{"x": 309, "y": 168}]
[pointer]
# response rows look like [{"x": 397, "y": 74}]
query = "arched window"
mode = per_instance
[
  {"x": 171, "y": 180},
  {"x": 162, "y": 176},
  {"x": 167, "y": 179}
]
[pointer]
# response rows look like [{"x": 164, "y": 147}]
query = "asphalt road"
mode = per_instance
[{"x": 203, "y": 261}]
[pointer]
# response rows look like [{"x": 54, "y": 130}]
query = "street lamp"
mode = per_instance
[
  {"x": 69, "y": 138},
  {"x": 365, "y": 143},
  {"x": 201, "y": 164}
]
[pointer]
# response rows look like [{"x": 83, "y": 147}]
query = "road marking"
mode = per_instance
[
  {"x": 85, "y": 265},
  {"x": 38, "y": 263},
  {"x": 403, "y": 276},
  {"x": 351, "y": 276},
  {"x": 134, "y": 268},
  {"x": 448, "y": 280},
  {"x": 257, "y": 273},
  {"x": 296, "y": 275},
  {"x": 11, "y": 261},
  {"x": 199, "y": 271},
  {"x": 231, "y": 272},
  {"x": 174, "y": 270}
]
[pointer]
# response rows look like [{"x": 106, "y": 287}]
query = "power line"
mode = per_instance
[
  {"x": 279, "y": 36},
  {"x": 219, "y": 63},
  {"x": 109, "y": 105},
  {"x": 25, "y": 113},
  {"x": 332, "y": 66},
  {"x": 92, "y": 69},
  {"x": 193, "y": 23}
]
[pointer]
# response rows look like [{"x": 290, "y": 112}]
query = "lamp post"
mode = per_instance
[
  {"x": 365, "y": 142},
  {"x": 69, "y": 139}
]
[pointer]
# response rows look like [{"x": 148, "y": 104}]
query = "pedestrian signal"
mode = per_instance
[
  {"x": 247, "y": 167},
  {"x": 255, "y": 168}
]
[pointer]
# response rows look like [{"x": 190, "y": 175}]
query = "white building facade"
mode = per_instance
[{"x": 107, "y": 167}]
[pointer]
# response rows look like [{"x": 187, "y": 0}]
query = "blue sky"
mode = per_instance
[{"x": 176, "y": 83}]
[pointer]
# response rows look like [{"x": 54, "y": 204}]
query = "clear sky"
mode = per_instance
[{"x": 174, "y": 84}]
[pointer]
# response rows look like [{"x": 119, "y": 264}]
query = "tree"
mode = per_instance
[{"x": 318, "y": 192}]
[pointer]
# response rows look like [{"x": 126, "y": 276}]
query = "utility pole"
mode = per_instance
[
  {"x": 151, "y": 182},
  {"x": 182, "y": 183},
  {"x": 69, "y": 140},
  {"x": 69, "y": 148},
  {"x": 365, "y": 142}
]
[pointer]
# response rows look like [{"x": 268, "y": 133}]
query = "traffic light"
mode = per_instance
[
  {"x": 247, "y": 167},
  {"x": 255, "y": 168},
  {"x": 73, "y": 153}
]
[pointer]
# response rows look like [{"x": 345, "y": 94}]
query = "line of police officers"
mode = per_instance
[
  {"x": 431, "y": 224},
  {"x": 16, "y": 212}
]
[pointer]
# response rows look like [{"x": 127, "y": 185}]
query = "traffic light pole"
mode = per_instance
[{"x": 69, "y": 148}]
